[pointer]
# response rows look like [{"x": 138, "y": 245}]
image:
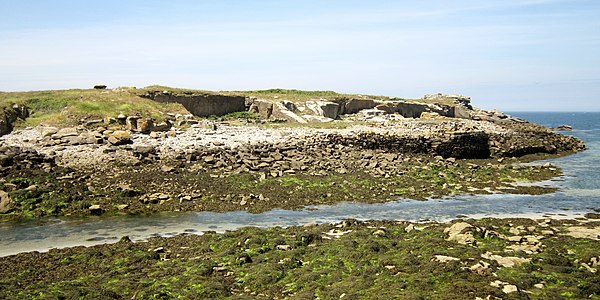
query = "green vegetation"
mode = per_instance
[
  {"x": 299, "y": 95},
  {"x": 269, "y": 94},
  {"x": 350, "y": 260},
  {"x": 69, "y": 107}
]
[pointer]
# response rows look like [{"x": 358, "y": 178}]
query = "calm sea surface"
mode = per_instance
[{"x": 579, "y": 193}]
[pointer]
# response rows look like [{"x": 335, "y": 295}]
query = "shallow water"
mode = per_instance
[{"x": 579, "y": 193}]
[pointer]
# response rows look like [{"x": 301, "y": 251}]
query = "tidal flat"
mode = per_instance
[{"x": 463, "y": 259}]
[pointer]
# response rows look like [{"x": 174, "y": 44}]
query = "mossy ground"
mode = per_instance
[
  {"x": 61, "y": 191},
  {"x": 350, "y": 260}
]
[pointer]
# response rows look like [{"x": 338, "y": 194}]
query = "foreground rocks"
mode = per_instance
[{"x": 351, "y": 259}]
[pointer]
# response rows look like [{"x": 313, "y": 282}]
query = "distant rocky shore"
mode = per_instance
[{"x": 386, "y": 149}]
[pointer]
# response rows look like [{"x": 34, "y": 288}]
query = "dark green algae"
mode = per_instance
[
  {"x": 367, "y": 260},
  {"x": 64, "y": 192}
]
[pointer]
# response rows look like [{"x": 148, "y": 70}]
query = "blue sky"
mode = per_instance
[{"x": 528, "y": 55}]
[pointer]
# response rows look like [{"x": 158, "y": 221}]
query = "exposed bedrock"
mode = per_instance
[
  {"x": 9, "y": 115},
  {"x": 518, "y": 144},
  {"x": 202, "y": 105}
]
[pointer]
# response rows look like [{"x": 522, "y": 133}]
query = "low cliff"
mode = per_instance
[{"x": 202, "y": 105}]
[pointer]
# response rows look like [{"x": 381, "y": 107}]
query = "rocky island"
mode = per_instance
[{"x": 143, "y": 151}]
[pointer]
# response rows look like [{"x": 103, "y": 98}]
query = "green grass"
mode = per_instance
[
  {"x": 68, "y": 107},
  {"x": 299, "y": 95},
  {"x": 269, "y": 94}
]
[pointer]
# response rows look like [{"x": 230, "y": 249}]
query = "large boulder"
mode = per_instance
[
  {"x": 283, "y": 110},
  {"x": 6, "y": 203},
  {"x": 260, "y": 107},
  {"x": 352, "y": 106},
  {"x": 119, "y": 137},
  {"x": 145, "y": 125},
  {"x": 280, "y": 111},
  {"x": 388, "y": 107},
  {"x": 9, "y": 115},
  {"x": 462, "y": 112},
  {"x": 323, "y": 108},
  {"x": 458, "y": 99},
  {"x": 412, "y": 110}
]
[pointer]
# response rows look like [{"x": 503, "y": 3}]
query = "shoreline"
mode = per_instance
[
  {"x": 256, "y": 169},
  {"x": 49, "y": 243}
]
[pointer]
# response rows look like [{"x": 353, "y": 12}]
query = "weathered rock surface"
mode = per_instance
[
  {"x": 460, "y": 232},
  {"x": 6, "y": 203},
  {"x": 9, "y": 115},
  {"x": 323, "y": 108},
  {"x": 119, "y": 137},
  {"x": 203, "y": 105}
]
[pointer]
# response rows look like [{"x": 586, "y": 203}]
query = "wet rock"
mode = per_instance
[
  {"x": 562, "y": 128},
  {"x": 96, "y": 209},
  {"x": 6, "y": 203}
]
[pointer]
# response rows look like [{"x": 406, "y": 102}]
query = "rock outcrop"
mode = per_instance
[
  {"x": 9, "y": 115},
  {"x": 202, "y": 105}
]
